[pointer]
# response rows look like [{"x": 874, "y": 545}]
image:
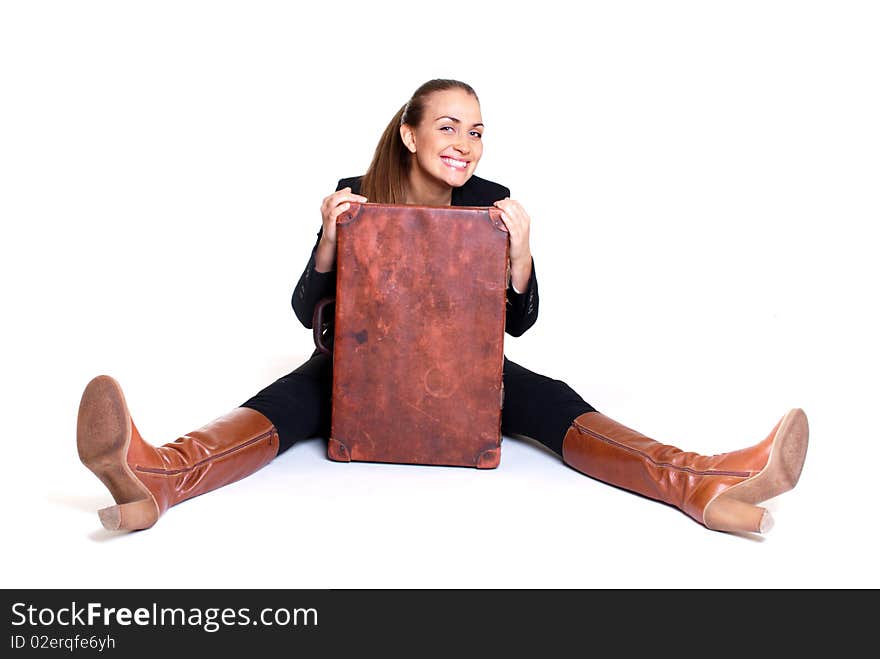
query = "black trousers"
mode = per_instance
[{"x": 536, "y": 406}]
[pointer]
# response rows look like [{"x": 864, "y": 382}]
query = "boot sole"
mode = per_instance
[
  {"x": 734, "y": 509},
  {"x": 103, "y": 436}
]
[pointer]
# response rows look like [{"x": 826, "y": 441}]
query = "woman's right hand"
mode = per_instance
[{"x": 331, "y": 208}]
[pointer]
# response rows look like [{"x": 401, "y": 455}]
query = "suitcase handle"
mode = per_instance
[{"x": 319, "y": 324}]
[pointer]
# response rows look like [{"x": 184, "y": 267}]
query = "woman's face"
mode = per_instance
[{"x": 448, "y": 143}]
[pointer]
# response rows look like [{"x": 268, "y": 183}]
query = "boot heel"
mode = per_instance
[
  {"x": 132, "y": 516},
  {"x": 735, "y": 516}
]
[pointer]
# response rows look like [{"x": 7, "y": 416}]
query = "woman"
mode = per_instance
[{"x": 427, "y": 155}]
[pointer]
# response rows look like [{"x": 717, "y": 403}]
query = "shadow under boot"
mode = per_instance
[
  {"x": 719, "y": 491},
  {"x": 146, "y": 480}
]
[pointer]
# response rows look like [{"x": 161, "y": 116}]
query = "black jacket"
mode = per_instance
[{"x": 522, "y": 310}]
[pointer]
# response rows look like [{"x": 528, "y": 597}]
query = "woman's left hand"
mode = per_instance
[{"x": 517, "y": 222}]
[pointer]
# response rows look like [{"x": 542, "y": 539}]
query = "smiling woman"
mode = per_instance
[
  {"x": 446, "y": 149},
  {"x": 428, "y": 139},
  {"x": 427, "y": 155}
]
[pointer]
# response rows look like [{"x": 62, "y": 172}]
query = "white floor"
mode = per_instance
[
  {"x": 307, "y": 522},
  {"x": 702, "y": 183}
]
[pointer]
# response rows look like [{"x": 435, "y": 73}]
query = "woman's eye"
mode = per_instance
[
  {"x": 445, "y": 127},
  {"x": 477, "y": 134}
]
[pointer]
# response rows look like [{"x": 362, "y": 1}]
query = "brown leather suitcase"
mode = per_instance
[{"x": 418, "y": 335}]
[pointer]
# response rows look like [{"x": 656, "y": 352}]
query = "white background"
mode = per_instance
[{"x": 702, "y": 180}]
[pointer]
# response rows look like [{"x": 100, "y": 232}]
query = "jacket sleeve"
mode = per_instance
[
  {"x": 522, "y": 308},
  {"x": 313, "y": 286}
]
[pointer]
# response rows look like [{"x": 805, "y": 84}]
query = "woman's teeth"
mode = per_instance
[{"x": 452, "y": 162}]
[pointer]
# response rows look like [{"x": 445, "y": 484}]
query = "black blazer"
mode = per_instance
[{"x": 522, "y": 310}]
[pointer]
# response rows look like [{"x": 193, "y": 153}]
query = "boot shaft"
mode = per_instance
[
  {"x": 223, "y": 451},
  {"x": 613, "y": 453}
]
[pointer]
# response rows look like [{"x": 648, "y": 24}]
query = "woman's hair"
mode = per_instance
[{"x": 385, "y": 180}]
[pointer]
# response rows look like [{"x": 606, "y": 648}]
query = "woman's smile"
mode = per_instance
[{"x": 449, "y": 161}]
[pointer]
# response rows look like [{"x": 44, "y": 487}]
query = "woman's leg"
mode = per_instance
[
  {"x": 719, "y": 491},
  {"x": 539, "y": 407},
  {"x": 298, "y": 403},
  {"x": 146, "y": 480}
]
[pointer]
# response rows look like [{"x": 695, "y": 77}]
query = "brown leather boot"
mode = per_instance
[
  {"x": 719, "y": 491},
  {"x": 146, "y": 480}
]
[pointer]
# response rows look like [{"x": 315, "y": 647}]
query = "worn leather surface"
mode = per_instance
[
  {"x": 419, "y": 333},
  {"x": 605, "y": 449}
]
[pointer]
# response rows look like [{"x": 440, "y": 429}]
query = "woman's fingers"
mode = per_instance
[
  {"x": 330, "y": 200},
  {"x": 514, "y": 216},
  {"x": 333, "y": 200},
  {"x": 346, "y": 195},
  {"x": 512, "y": 207},
  {"x": 335, "y": 204},
  {"x": 339, "y": 210},
  {"x": 343, "y": 203},
  {"x": 517, "y": 222}
]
